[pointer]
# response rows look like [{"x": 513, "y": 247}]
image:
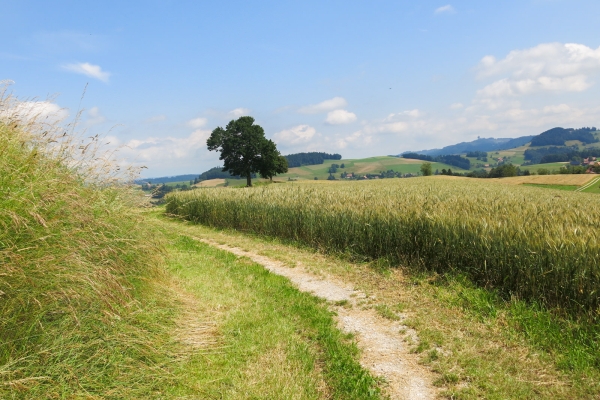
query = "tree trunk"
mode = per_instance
[{"x": 248, "y": 180}]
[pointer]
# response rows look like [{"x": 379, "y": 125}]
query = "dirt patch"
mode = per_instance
[{"x": 384, "y": 350}]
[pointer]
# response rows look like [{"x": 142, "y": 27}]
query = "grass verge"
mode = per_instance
[
  {"x": 267, "y": 340},
  {"x": 79, "y": 313},
  {"x": 480, "y": 345}
]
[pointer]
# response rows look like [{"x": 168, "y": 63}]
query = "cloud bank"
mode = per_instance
[
  {"x": 324, "y": 106},
  {"x": 340, "y": 117},
  {"x": 296, "y": 135},
  {"x": 87, "y": 69},
  {"x": 548, "y": 67}
]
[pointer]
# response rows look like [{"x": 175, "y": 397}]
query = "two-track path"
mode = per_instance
[{"x": 383, "y": 349}]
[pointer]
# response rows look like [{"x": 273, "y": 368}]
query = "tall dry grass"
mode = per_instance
[{"x": 74, "y": 259}]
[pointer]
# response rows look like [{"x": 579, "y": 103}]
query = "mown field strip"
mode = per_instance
[
  {"x": 384, "y": 352},
  {"x": 587, "y": 185}
]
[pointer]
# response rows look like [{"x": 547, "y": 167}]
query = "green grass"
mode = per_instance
[
  {"x": 79, "y": 316},
  {"x": 592, "y": 189},
  {"x": 371, "y": 165},
  {"x": 569, "y": 188},
  {"x": 177, "y": 183},
  {"x": 480, "y": 345},
  {"x": 548, "y": 166},
  {"x": 271, "y": 341}
]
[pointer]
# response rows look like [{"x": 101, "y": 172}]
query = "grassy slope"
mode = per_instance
[
  {"x": 480, "y": 346},
  {"x": 78, "y": 316},
  {"x": 362, "y": 166}
]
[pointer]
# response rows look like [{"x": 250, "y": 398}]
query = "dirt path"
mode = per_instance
[{"x": 384, "y": 352}]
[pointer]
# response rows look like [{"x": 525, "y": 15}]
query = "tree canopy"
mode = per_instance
[
  {"x": 245, "y": 150},
  {"x": 426, "y": 169},
  {"x": 312, "y": 158}
]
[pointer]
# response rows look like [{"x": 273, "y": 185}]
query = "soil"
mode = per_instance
[{"x": 384, "y": 349}]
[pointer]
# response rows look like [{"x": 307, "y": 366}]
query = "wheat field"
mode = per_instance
[{"x": 526, "y": 242}]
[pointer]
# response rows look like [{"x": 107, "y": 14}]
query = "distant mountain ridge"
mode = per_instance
[
  {"x": 167, "y": 179},
  {"x": 481, "y": 144},
  {"x": 555, "y": 136}
]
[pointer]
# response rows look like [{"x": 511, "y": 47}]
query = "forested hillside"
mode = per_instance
[
  {"x": 558, "y": 136},
  {"x": 454, "y": 160},
  {"x": 482, "y": 144},
  {"x": 313, "y": 158}
]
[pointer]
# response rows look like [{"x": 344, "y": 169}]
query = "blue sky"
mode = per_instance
[{"x": 359, "y": 78}]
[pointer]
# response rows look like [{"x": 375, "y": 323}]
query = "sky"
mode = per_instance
[{"x": 358, "y": 78}]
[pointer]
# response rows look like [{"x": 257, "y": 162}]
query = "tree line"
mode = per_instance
[
  {"x": 454, "y": 160},
  {"x": 559, "y": 154},
  {"x": 558, "y": 136},
  {"x": 311, "y": 158}
]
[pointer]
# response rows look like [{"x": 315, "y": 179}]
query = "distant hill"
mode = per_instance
[
  {"x": 167, "y": 179},
  {"x": 482, "y": 144},
  {"x": 558, "y": 136},
  {"x": 216, "y": 173},
  {"x": 552, "y": 137},
  {"x": 294, "y": 160}
]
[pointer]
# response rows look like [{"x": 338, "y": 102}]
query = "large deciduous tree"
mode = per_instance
[
  {"x": 245, "y": 150},
  {"x": 273, "y": 163}
]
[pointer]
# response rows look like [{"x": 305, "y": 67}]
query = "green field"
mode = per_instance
[
  {"x": 569, "y": 188},
  {"x": 360, "y": 167},
  {"x": 178, "y": 183}
]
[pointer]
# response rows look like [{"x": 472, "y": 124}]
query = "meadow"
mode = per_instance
[{"x": 525, "y": 242}]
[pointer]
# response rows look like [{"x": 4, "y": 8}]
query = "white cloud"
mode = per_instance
[
  {"x": 393, "y": 127},
  {"x": 408, "y": 113},
  {"x": 87, "y": 69},
  {"x": 507, "y": 87},
  {"x": 94, "y": 117},
  {"x": 548, "y": 67},
  {"x": 297, "y": 134},
  {"x": 42, "y": 111},
  {"x": 340, "y": 117},
  {"x": 157, "y": 151},
  {"x": 324, "y": 106},
  {"x": 457, "y": 106},
  {"x": 239, "y": 112},
  {"x": 557, "y": 109},
  {"x": 197, "y": 123},
  {"x": 343, "y": 143},
  {"x": 444, "y": 9}
]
